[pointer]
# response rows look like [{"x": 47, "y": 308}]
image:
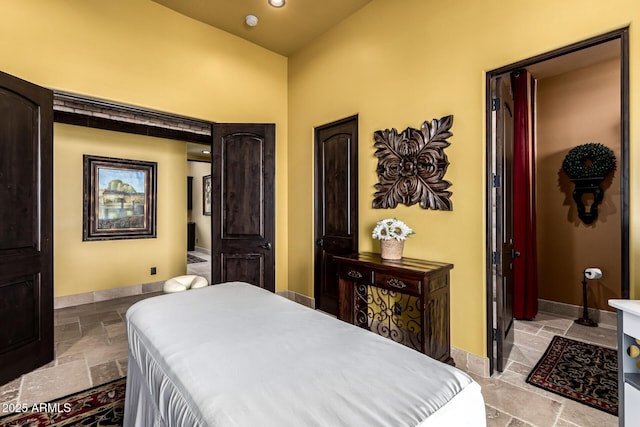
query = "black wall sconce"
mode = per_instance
[
  {"x": 588, "y": 186},
  {"x": 587, "y": 165}
]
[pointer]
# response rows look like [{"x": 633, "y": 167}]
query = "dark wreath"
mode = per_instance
[
  {"x": 591, "y": 160},
  {"x": 412, "y": 164}
]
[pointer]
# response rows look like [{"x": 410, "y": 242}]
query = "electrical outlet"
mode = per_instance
[{"x": 153, "y": 271}]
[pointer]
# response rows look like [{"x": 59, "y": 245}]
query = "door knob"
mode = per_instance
[
  {"x": 320, "y": 242},
  {"x": 515, "y": 254},
  {"x": 266, "y": 246}
]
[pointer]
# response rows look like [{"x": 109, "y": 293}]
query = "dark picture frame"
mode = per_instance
[
  {"x": 119, "y": 199},
  {"x": 206, "y": 195}
]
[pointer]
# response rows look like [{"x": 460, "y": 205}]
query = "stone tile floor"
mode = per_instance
[
  {"x": 511, "y": 402},
  {"x": 201, "y": 268},
  {"x": 91, "y": 349}
]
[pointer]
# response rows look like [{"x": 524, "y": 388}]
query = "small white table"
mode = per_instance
[{"x": 628, "y": 361}]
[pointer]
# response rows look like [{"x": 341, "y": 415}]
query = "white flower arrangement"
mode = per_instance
[{"x": 391, "y": 228}]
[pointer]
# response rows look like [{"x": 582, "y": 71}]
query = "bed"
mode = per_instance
[{"x": 236, "y": 355}]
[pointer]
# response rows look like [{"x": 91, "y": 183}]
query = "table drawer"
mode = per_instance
[
  {"x": 355, "y": 273},
  {"x": 403, "y": 284}
]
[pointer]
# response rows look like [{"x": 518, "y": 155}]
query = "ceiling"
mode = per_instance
[
  {"x": 283, "y": 30},
  {"x": 576, "y": 60},
  {"x": 200, "y": 152}
]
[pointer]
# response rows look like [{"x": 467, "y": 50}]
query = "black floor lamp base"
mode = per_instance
[{"x": 586, "y": 322}]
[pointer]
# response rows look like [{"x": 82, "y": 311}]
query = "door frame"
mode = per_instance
[{"x": 622, "y": 35}]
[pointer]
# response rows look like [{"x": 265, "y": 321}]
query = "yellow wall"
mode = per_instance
[
  {"x": 575, "y": 108},
  {"x": 203, "y": 222},
  {"x": 395, "y": 63},
  {"x": 97, "y": 265},
  {"x": 138, "y": 52},
  {"x": 398, "y": 63}
]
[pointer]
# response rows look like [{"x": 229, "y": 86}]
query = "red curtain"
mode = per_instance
[{"x": 525, "y": 275}]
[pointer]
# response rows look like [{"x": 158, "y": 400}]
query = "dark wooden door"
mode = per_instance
[
  {"x": 336, "y": 205},
  {"x": 26, "y": 227},
  {"x": 504, "y": 334},
  {"x": 243, "y": 204}
]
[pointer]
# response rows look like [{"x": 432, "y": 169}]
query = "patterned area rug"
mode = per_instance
[
  {"x": 192, "y": 259},
  {"x": 583, "y": 372},
  {"x": 99, "y": 406}
]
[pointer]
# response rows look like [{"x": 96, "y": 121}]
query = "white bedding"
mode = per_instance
[{"x": 237, "y": 355}]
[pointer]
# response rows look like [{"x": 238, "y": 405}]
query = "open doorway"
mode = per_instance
[
  {"x": 553, "y": 74},
  {"x": 198, "y": 210}
]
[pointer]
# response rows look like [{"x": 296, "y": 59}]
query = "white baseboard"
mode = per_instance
[{"x": 107, "y": 294}]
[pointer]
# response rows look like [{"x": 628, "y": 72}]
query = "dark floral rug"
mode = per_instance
[
  {"x": 586, "y": 373},
  {"x": 192, "y": 259},
  {"x": 99, "y": 406}
]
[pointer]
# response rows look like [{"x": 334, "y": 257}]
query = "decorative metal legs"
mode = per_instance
[{"x": 390, "y": 314}]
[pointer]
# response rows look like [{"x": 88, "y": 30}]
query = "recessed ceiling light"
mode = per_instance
[
  {"x": 251, "y": 20},
  {"x": 276, "y": 3},
  {"x": 206, "y": 152}
]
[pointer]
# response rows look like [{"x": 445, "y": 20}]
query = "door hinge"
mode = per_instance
[
  {"x": 496, "y": 181},
  {"x": 495, "y": 257},
  {"x": 495, "y": 104},
  {"x": 494, "y": 333}
]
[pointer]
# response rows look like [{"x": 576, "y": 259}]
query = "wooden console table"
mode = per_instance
[{"x": 405, "y": 300}]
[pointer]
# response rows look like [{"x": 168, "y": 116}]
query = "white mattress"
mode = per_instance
[{"x": 237, "y": 355}]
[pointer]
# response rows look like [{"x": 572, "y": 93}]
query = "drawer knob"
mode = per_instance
[
  {"x": 396, "y": 283},
  {"x": 354, "y": 274}
]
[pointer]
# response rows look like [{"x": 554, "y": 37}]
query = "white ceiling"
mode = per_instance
[{"x": 283, "y": 30}]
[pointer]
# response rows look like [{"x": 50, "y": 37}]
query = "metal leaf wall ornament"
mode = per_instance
[{"x": 411, "y": 166}]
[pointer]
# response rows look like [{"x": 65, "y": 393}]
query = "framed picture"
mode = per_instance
[
  {"x": 119, "y": 199},
  {"x": 206, "y": 195}
]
